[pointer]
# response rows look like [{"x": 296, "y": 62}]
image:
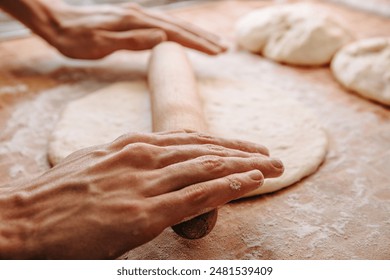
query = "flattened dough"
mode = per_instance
[
  {"x": 364, "y": 67},
  {"x": 232, "y": 109},
  {"x": 298, "y": 34}
]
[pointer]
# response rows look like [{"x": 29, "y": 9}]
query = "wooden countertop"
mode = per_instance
[{"x": 340, "y": 212}]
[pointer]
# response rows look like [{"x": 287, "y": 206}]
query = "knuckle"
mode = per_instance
[
  {"x": 212, "y": 163},
  {"x": 142, "y": 153},
  {"x": 254, "y": 163},
  {"x": 100, "y": 152},
  {"x": 138, "y": 148},
  {"x": 259, "y": 162},
  {"x": 243, "y": 146},
  {"x": 203, "y": 136},
  {"x": 129, "y": 138},
  {"x": 214, "y": 148},
  {"x": 233, "y": 183},
  {"x": 197, "y": 194}
]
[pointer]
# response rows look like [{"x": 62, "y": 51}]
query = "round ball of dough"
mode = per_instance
[
  {"x": 298, "y": 34},
  {"x": 364, "y": 67}
]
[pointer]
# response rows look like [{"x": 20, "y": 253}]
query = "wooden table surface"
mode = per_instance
[{"x": 340, "y": 212}]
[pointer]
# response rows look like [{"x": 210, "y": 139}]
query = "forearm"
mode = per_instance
[
  {"x": 15, "y": 226},
  {"x": 30, "y": 210},
  {"x": 55, "y": 216},
  {"x": 36, "y": 216},
  {"x": 37, "y": 15}
]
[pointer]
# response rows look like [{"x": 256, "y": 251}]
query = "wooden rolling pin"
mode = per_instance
[{"x": 176, "y": 104}]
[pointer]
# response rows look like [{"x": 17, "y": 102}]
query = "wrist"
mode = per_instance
[{"x": 39, "y": 15}]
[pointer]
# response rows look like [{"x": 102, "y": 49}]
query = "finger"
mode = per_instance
[
  {"x": 135, "y": 18},
  {"x": 180, "y": 153},
  {"x": 205, "y": 168},
  {"x": 176, "y": 131},
  {"x": 173, "y": 207},
  {"x": 186, "y": 38},
  {"x": 181, "y": 138},
  {"x": 187, "y": 27},
  {"x": 188, "y": 138},
  {"x": 139, "y": 39}
]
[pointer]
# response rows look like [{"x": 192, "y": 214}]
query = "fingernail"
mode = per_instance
[
  {"x": 276, "y": 163},
  {"x": 223, "y": 44},
  {"x": 256, "y": 175}
]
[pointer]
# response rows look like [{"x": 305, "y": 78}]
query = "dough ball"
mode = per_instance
[
  {"x": 298, "y": 34},
  {"x": 364, "y": 67}
]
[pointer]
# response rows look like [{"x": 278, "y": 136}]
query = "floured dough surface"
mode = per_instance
[
  {"x": 232, "y": 109},
  {"x": 100, "y": 118},
  {"x": 364, "y": 67},
  {"x": 298, "y": 34}
]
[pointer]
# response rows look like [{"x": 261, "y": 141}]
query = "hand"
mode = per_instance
[
  {"x": 103, "y": 201},
  {"x": 95, "y": 31}
]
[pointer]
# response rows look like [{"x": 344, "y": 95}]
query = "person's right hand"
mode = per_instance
[
  {"x": 105, "y": 200},
  {"x": 95, "y": 31}
]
